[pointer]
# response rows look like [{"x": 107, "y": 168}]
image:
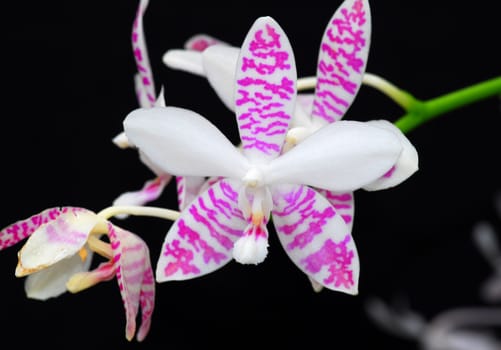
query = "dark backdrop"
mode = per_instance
[{"x": 68, "y": 85}]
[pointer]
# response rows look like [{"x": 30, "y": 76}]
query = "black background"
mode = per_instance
[{"x": 68, "y": 85}]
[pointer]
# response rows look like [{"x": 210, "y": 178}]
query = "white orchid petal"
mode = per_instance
[
  {"x": 201, "y": 41},
  {"x": 51, "y": 282},
  {"x": 184, "y": 60},
  {"x": 202, "y": 239},
  {"x": 141, "y": 57},
  {"x": 406, "y": 165},
  {"x": 265, "y": 91},
  {"x": 219, "y": 63},
  {"x": 56, "y": 240},
  {"x": 342, "y": 60},
  {"x": 315, "y": 237},
  {"x": 184, "y": 143},
  {"x": 340, "y": 157}
]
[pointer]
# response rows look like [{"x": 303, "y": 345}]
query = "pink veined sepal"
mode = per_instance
[
  {"x": 342, "y": 61},
  {"x": 201, "y": 240},
  {"x": 134, "y": 274},
  {"x": 316, "y": 237},
  {"x": 265, "y": 90}
]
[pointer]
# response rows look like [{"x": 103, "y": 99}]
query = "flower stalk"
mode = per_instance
[{"x": 420, "y": 112}]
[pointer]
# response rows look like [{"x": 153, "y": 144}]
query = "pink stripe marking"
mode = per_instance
[
  {"x": 315, "y": 220},
  {"x": 338, "y": 258}
]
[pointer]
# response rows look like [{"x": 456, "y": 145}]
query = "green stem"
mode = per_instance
[{"x": 420, "y": 112}]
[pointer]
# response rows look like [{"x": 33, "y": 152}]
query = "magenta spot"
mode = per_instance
[{"x": 182, "y": 259}]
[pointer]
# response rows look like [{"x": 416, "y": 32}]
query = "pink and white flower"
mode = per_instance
[
  {"x": 57, "y": 256},
  {"x": 229, "y": 219}
]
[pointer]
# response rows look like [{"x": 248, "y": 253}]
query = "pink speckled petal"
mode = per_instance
[
  {"x": 135, "y": 278},
  {"x": 56, "y": 240},
  {"x": 343, "y": 203},
  {"x": 201, "y": 240},
  {"x": 342, "y": 60},
  {"x": 21, "y": 229},
  {"x": 315, "y": 237},
  {"x": 219, "y": 64},
  {"x": 265, "y": 91},
  {"x": 201, "y": 41},
  {"x": 188, "y": 188},
  {"x": 340, "y": 157},
  {"x": 151, "y": 190},
  {"x": 141, "y": 57},
  {"x": 51, "y": 282},
  {"x": 184, "y": 143},
  {"x": 406, "y": 165}
]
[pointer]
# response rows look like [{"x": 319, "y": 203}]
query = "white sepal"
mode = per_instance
[
  {"x": 341, "y": 156},
  {"x": 219, "y": 63},
  {"x": 51, "y": 282},
  {"x": 184, "y": 60},
  {"x": 184, "y": 143},
  {"x": 406, "y": 165}
]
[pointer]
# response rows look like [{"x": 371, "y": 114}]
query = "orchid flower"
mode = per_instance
[
  {"x": 147, "y": 97},
  {"x": 229, "y": 219},
  {"x": 455, "y": 329},
  {"x": 341, "y": 70},
  {"x": 57, "y": 255}
]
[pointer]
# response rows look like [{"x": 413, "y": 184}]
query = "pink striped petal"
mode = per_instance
[
  {"x": 343, "y": 203},
  {"x": 315, "y": 237},
  {"x": 23, "y": 228},
  {"x": 151, "y": 190},
  {"x": 342, "y": 60},
  {"x": 265, "y": 89},
  {"x": 199, "y": 42},
  {"x": 135, "y": 278},
  {"x": 188, "y": 188},
  {"x": 56, "y": 240},
  {"x": 141, "y": 56},
  {"x": 201, "y": 240}
]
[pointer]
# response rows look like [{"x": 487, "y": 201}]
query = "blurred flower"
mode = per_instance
[{"x": 455, "y": 329}]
